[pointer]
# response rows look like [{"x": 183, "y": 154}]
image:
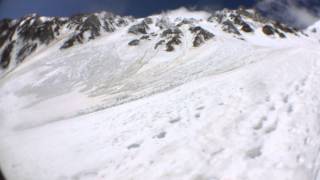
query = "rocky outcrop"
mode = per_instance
[
  {"x": 268, "y": 30},
  {"x": 24, "y": 36},
  {"x": 246, "y": 28},
  {"x": 201, "y": 35},
  {"x": 175, "y": 40},
  {"x": 172, "y": 38},
  {"x": 34, "y": 29},
  {"x": 134, "y": 42},
  {"x": 140, "y": 28},
  {"x": 92, "y": 25},
  {"x": 7, "y": 27},
  {"x": 1, "y": 176},
  {"x": 6, "y": 55},
  {"x": 229, "y": 27},
  {"x": 25, "y": 51},
  {"x": 159, "y": 44}
]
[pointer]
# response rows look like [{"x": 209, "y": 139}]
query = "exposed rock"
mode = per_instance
[
  {"x": 201, "y": 35},
  {"x": 164, "y": 23},
  {"x": 229, "y": 27},
  {"x": 26, "y": 51},
  {"x": 148, "y": 20},
  {"x": 140, "y": 28},
  {"x": 184, "y": 22},
  {"x": 147, "y": 37},
  {"x": 134, "y": 42},
  {"x": 197, "y": 41},
  {"x": 237, "y": 19},
  {"x": 159, "y": 44},
  {"x": 34, "y": 29},
  {"x": 252, "y": 14},
  {"x": 173, "y": 41},
  {"x": 171, "y": 32},
  {"x": 283, "y": 28},
  {"x": 246, "y": 28},
  {"x": 281, "y": 35},
  {"x": 200, "y": 31},
  {"x": 6, "y": 55},
  {"x": 92, "y": 24},
  {"x": 154, "y": 34},
  {"x": 1, "y": 176},
  {"x": 73, "y": 40},
  {"x": 78, "y": 18},
  {"x": 217, "y": 16},
  {"x": 6, "y": 30},
  {"x": 268, "y": 30}
]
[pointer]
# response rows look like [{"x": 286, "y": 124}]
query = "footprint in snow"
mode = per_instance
[
  {"x": 200, "y": 108},
  {"x": 197, "y": 115},
  {"x": 161, "y": 135},
  {"x": 254, "y": 153},
  {"x": 133, "y": 146},
  {"x": 173, "y": 121},
  {"x": 285, "y": 99},
  {"x": 290, "y": 109},
  {"x": 271, "y": 128}
]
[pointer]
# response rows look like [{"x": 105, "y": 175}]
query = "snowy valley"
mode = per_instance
[{"x": 189, "y": 95}]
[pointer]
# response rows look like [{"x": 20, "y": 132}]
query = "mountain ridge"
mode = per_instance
[{"x": 20, "y": 38}]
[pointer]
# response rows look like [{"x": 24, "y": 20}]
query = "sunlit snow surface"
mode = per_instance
[{"x": 229, "y": 110}]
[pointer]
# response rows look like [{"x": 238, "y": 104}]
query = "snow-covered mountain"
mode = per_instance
[{"x": 184, "y": 94}]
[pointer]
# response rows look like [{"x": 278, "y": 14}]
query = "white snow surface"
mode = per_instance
[{"x": 228, "y": 110}]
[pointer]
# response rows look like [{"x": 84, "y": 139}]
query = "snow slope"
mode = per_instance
[{"x": 232, "y": 109}]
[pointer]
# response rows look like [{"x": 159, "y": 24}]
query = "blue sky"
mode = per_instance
[
  {"x": 18, "y": 8},
  {"x": 299, "y": 13}
]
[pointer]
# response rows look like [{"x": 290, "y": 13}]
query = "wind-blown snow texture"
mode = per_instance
[{"x": 181, "y": 95}]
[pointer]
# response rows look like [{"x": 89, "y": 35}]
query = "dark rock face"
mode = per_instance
[
  {"x": 173, "y": 36},
  {"x": 145, "y": 37},
  {"x": 229, "y": 27},
  {"x": 237, "y": 19},
  {"x": 201, "y": 35},
  {"x": 25, "y": 51},
  {"x": 247, "y": 28},
  {"x": 92, "y": 24},
  {"x": 159, "y": 44},
  {"x": 7, "y": 29},
  {"x": 148, "y": 21},
  {"x": 254, "y": 15},
  {"x": 283, "y": 28},
  {"x": 73, "y": 40},
  {"x": 134, "y": 42},
  {"x": 171, "y": 32},
  {"x": 268, "y": 30},
  {"x": 184, "y": 22},
  {"x": 1, "y": 176},
  {"x": 173, "y": 41},
  {"x": 34, "y": 29},
  {"x": 140, "y": 28},
  {"x": 6, "y": 55}
]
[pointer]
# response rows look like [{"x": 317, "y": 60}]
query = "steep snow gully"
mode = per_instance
[{"x": 181, "y": 95}]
